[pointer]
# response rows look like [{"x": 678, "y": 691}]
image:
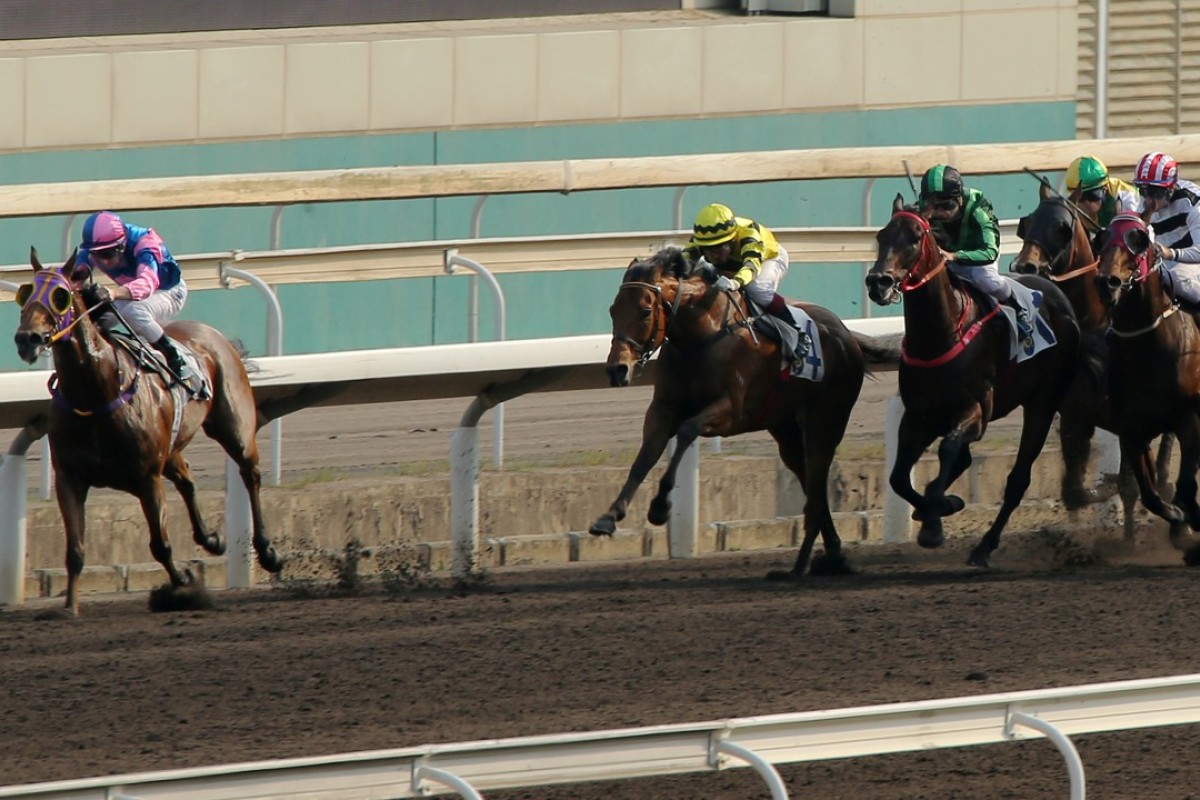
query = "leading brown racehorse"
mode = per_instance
[
  {"x": 957, "y": 374},
  {"x": 114, "y": 422},
  {"x": 1154, "y": 372},
  {"x": 716, "y": 377}
]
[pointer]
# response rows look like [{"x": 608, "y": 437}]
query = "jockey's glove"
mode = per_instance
[
  {"x": 727, "y": 284},
  {"x": 96, "y": 294}
]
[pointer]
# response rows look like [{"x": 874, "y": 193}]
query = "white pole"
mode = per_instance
[
  {"x": 897, "y": 523},
  {"x": 12, "y": 529},
  {"x": 1101, "y": 69},
  {"x": 464, "y": 499},
  {"x": 238, "y": 524},
  {"x": 683, "y": 527}
]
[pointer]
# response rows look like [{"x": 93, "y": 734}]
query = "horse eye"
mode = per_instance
[{"x": 646, "y": 312}]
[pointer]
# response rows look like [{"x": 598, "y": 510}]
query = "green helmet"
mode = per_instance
[
  {"x": 941, "y": 180},
  {"x": 1086, "y": 172}
]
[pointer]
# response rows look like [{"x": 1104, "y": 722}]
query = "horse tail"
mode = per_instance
[{"x": 880, "y": 350}]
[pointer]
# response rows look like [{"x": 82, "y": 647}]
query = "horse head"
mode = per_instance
[
  {"x": 50, "y": 308},
  {"x": 1054, "y": 241},
  {"x": 1126, "y": 260},
  {"x": 908, "y": 256},
  {"x": 648, "y": 301}
]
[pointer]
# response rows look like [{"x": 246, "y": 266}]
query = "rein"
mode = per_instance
[{"x": 1075, "y": 273}]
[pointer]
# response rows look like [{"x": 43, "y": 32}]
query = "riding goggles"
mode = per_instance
[
  {"x": 1153, "y": 191},
  {"x": 942, "y": 202},
  {"x": 1093, "y": 195}
]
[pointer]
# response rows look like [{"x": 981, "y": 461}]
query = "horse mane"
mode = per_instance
[{"x": 668, "y": 261}]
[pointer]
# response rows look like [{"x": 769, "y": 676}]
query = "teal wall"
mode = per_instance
[{"x": 410, "y": 312}]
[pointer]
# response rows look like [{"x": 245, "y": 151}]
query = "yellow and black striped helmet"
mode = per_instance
[{"x": 715, "y": 224}]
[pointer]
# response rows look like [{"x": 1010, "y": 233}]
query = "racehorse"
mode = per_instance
[
  {"x": 1056, "y": 245},
  {"x": 116, "y": 423},
  {"x": 717, "y": 377},
  {"x": 956, "y": 373},
  {"x": 1154, "y": 371}
]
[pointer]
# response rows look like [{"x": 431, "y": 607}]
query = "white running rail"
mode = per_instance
[{"x": 468, "y": 768}]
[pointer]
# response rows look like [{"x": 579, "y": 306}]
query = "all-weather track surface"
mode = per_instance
[{"x": 270, "y": 674}]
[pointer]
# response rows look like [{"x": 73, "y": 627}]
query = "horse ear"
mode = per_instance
[
  {"x": 34, "y": 261},
  {"x": 1044, "y": 190},
  {"x": 898, "y": 203},
  {"x": 69, "y": 267}
]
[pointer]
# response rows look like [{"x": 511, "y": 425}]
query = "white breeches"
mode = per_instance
[
  {"x": 987, "y": 278},
  {"x": 146, "y": 317},
  {"x": 1183, "y": 280},
  {"x": 763, "y": 288}
]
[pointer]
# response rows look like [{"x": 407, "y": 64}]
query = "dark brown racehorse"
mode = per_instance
[
  {"x": 112, "y": 420},
  {"x": 956, "y": 374},
  {"x": 1056, "y": 245},
  {"x": 718, "y": 378},
  {"x": 1154, "y": 372}
]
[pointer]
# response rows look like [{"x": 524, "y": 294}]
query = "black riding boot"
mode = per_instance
[
  {"x": 1024, "y": 323},
  {"x": 173, "y": 356}
]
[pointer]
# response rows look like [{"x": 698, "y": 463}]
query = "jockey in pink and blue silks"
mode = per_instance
[{"x": 149, "y": 290}]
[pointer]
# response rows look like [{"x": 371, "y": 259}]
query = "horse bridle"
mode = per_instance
[
  {"x": 1140, "y": 274},
  {"x": 1068, "y": 252},
  {"x": 914, "y": 280},
  {"x": 646, "y": 351}
]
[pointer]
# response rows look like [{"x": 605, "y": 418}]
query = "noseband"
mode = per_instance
[
  {"x": 1122, "y": 225},
  {"x": 646, "y": 350}
]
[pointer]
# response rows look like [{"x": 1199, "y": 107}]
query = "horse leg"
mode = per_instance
[
  {"x": 1127, "y": 487},
  {"x": 1033, "y": 438},
  {"x": 689, "y": 431},
  {"x": 657, "y": 430},
  {"x": 71, "y": 496},
  {"x": 1162, "y": 463},
  {"x": 177, "y": 470},
  {"x": 954, "y": 456},
  {"x": 910, "y": 444},
  {"x": 1136, "y": 453},
  {"x": 235, "y": 433},
  {"x": 1075, "y": 435},
  {"x": 152, "y": 498}
]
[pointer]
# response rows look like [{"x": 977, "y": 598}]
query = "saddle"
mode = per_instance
[
  {"x": 801, "y": 355},
  {"x": 149, "y": 359}
]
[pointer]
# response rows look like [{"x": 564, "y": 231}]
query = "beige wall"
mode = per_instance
[{"x": 189, "y": 88}]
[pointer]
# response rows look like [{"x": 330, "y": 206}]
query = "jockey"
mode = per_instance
[
  {"x": 1100, "y": 195},
  {"x": 149, "y": 290},
  {"x": 1174, "y": 220},
  {"x": 745, "y": 255},
  {"x": 965, "y": 227}
]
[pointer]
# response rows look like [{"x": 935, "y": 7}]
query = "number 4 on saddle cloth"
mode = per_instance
[{"x": 801, "y": 355}]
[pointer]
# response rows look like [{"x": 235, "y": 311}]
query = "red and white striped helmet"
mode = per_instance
[{"x": 1156, "y": 169}]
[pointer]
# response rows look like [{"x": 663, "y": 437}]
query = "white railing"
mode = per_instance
[
  {"x": 571, "y": 175},
  {"x": 468, "y": 768}
]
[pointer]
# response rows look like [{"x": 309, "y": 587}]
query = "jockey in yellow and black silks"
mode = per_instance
[{"x": 746, "y": 256}]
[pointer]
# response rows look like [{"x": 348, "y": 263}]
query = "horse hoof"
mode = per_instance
[
  {"x": 605, "y": 526},
  {"x": 1191, "y": 556},
  {"x": 953, "y": 505},
  {"x": 1076, "y": 497},
  {"x": 826, "y": 565},
  {"x": 270, "y": 560},
  {"x": 978, "y": 559},
  {"x": 660, "y": 512},
  {"x": 214, "y": 544},
  {"x": 931, "y": 539}
]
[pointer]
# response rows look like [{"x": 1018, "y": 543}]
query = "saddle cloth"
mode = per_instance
[
  {"x": 1043, "y": 336},
  {"x": 812, "y": 365},
  {"x": 198, "y": 386}
]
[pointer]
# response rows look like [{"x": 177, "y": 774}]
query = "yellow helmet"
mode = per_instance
[
  {"x": 1086, "y": 172},
  {"x": 715, "y": 224}
]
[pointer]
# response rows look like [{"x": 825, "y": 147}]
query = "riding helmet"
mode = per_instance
[
  {"x": 1086, "y": 172},
  {"x": 103, "y": 230},
  {"x": 1156, "y": 169},
  {"x": 941, "y": 180},
  {"x": 715, "y": 224}
]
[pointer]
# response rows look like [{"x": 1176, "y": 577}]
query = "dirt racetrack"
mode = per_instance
[{"x": 279, "y": 673}]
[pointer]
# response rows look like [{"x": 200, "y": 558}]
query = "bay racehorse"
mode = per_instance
[
  {"x": 956, "y": 373},
  {"x": 717, "y": 377},
  {"x": 1056, "y": 245},
  {"x": 114, "y": 422},
  {"x": 1154, "y": 372}
]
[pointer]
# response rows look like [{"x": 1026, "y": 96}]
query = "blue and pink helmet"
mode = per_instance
[{"x": 103, "y": 230}]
